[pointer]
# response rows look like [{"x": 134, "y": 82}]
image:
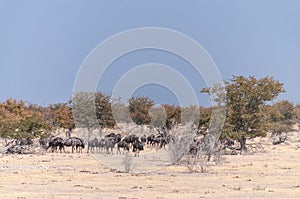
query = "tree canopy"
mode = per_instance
[{"x": 246, "y": 98}]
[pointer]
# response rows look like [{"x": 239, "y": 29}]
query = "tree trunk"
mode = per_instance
[
  {"x": 242, "y": 141},
  {"x": 100, "y": 131}
]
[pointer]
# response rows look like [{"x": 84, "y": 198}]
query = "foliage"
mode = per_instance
[
  {"x": 296, "y": 113},
  {"x": 173, "y": 115},
  {"x": 158, "y": 116},
  {"x": 60, "y": 116},
  {"x": 282, "y": 116},
  {"x": 190, "y": 114},
  {"x": 203, "y": 120},
  {"x": 21, "y": 120},
  {"x": 139, "y": 108},
  {"x": 120, "y": 111},
  {"x": 246, "y": 98},
  {"x": 84, "y": 111},
  {"x": 92, "y": 109},
  {"x": 104, "y": 111}
]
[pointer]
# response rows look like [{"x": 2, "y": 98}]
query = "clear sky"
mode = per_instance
[{"x": 44, "y": 42}]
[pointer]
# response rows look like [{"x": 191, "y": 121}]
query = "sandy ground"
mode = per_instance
[{"x": 272, "y": 174}]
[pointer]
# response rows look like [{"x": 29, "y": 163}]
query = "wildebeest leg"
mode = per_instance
[{"x": 64, "y": 149}]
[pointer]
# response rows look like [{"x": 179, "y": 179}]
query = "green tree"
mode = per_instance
[
  {"x": 92, "y": 110},
  {"x": 139, "y": 108},
  {"x": 84, "y": 110},
  {"x": 104, "y": 110},
  {"x": 173, "y": 115},
  {"x": 296, "y": 113},
  {"x": 282, "y": 119},
  {"x": 203, "y": 121},
  {"x": 246, "y": 98}
]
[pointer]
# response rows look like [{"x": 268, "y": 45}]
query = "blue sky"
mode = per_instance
[{"x": 43, "y": 43}]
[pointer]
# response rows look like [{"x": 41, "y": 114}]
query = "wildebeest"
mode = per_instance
[
  {"x": 92, "y": 144},
  {"x": 25, "y": 141},
  {"x": 109, "y": 145},
  {"x": 144, "y": 139},
  {"x": 150, "y": 139},
  {"x": 44, "y": 141},
  {"x": 124, "y": 145},
  {"x": 116, "y": 137},
  {"x": 131, "y": 138},
  {"x": 110, "y": 135},
  {"x": 137, "y": 147},
  {"x": 101, "y": 144},
  {"x": 74, "y": 142},
  {"x": 55, "y": 143}
]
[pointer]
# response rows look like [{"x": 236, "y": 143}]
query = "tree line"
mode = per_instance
[{"x": 249, "y": 103}]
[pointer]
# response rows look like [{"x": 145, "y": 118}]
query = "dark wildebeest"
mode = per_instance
[
  {"x": 24, "y": 141},
  {"x": 92, "y": 144},
  {"x": 55, "y": 143},
  {"x": 101, "y": 144},
  {"x": 116, "y": 137},
  {"x": 131, "y": 138},
  {"x": 109, "y": 144},
  {"x": 137, "y": 147},
  {"x": 45, "y": 141},
  {"x": 74, "y": 142},
  {"x": 150, "y": 139},
  {"x": 124, "y": 145},
  {"x": 156, "y": 141},
  {"x": 201, "y": 147},
  {"x": 110, "y": 135},
  {"x": 144, "y": 139}
]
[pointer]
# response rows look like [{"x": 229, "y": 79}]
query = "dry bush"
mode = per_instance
[{"x": 179, "y": 146}]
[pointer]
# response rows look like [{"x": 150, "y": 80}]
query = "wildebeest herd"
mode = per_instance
[
  {"x": 106, "y": 144},
  {"x": 114, "y": 143}
]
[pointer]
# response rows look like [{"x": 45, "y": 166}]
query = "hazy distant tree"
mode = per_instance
[
  {"x": 158, "y": 116},
  {"x": 190, "y": 114},
  {"x": 120, "y": 111},
  {"x": 92, "y": 110}
]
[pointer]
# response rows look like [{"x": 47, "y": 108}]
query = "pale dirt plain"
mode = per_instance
[{"x": 274, "y": 173}]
